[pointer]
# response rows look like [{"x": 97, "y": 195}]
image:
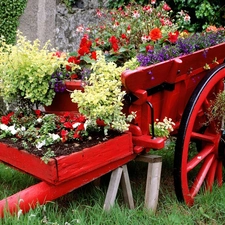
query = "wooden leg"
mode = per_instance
[
  {"x": 113, "y": 188},
  {"x": 119, "y": 174},
  {"x": 153, "y": 179},
  {"x": 152, "y": 185},
  {"x": 126, "y": 187}
]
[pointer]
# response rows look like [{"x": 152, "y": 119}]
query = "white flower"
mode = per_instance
[
  {"x": 39, "y": 120},
  {"x": 23, "y": 128},
  {"x": 12, "y": 129},
  {"x": 4, "y": 127},
  {"x": 39, "y": 145},
  {"x": 54, "y": 136},
  {"x": 75, "y": 125}
]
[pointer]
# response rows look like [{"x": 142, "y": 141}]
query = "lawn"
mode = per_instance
[{"x": 84, "y": 205}]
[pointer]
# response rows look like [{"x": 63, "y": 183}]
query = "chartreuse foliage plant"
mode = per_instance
[
  {"x": 25, "y": 71},
  {"x": 102, "y": 97},
  {"x": 10, "y": 11}
]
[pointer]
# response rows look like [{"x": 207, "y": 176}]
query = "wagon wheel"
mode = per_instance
[{"x": 198, "y": 167}]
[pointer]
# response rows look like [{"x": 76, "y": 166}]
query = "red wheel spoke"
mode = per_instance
[
  {"x": 203, "y": 137},
  {"x": 199, "y": 157},
  {"x": 201, "y": 175},
  {"x": 206, "y": 104},
  {"x": 198, "y": 166},
  {"x": 219, "y": 173},
  {"x": 211, "y": 175}
]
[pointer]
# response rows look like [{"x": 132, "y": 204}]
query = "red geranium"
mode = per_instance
[
  {"x": 155, "y": 34},
  {"x": 68, "y": 125},
  {"x": 6, "y": 119},
  {"x": 94, "y": 55},
  {"x": 83, "y": 50},
  {"x": 114, "y": 42},
  {"x": 149, "y": 47},
  {"x": 74, "y": 60},
  {"x": 173, "y": 36},
  {"x": 64, "y": 134}
]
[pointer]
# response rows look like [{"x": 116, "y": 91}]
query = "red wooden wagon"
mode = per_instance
[{"x": 181, "y": 89}]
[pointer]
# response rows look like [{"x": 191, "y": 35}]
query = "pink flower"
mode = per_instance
[
  {"x": 80, "y": 29},
  {"x": 147, "y": 8},
  {"x": 166, "y": 7},
  {"x": 136, "y": 14}
]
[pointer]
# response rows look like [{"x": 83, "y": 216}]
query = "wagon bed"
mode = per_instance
[{"x": 181, "y": 89}]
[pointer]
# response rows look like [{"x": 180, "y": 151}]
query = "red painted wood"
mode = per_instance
[
  {"x": 89, "y": 159},
  {"x": 167, "y": 71},
  {"x": 28, "y": 163},
  {"x": 44, "y": 192},
  {"x": 62, "y": 101},
  {"x": 64, "y": 168},
  {"x": 184, "y": 72}
]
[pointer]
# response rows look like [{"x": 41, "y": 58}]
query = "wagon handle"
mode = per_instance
[{"x": 152, "y": 118}]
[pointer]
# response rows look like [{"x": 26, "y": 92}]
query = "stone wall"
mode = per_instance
[{"x": 50, "y": 20}]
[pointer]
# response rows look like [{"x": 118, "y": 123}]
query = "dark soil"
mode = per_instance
[{"x": 62, "y": 148}]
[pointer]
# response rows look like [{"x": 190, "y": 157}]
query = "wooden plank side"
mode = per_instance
[
  {"x": 28, "y": 163},
  {"x": 92, "y": 158}
]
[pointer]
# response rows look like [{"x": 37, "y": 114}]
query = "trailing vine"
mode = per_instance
[{"x": 10, "y": 11}]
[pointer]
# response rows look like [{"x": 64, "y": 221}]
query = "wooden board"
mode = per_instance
[{"x": 64, "y": 168}]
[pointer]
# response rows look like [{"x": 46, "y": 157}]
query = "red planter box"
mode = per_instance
[
  {"x": 64, "y": 168},
  {"x": 62, "y": 101}
]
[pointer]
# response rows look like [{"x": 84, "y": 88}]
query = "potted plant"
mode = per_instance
[{"x": 26, "y": 70}]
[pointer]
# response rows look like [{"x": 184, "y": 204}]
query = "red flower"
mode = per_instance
[
  {"x": 37, "y": 112},
  {"x": 81, "y": 119},
  {"x": 149, "y": 47},
  {"x": 74, "y": 76},
  {"x": 85, "y": 42},
  {"x": 83, "y": 50},
  {"x": 62, "y": 119},
  {"x": 76, "y": 135},
  {"x": 166, "y": 7},
  {"x": 80, "y": 127},
  {"x": 74, "y": 60},
  {"x": 66, "y": 114},
  {"x": 94, "y": 55},
  {"x": 58, "y": 54},
  {"x": 68, "y": 125},
  {"x": 5, "y": 120},
  {"x": 173, "y": 36},
  {"x": 64, "y": 135},
  {"x": 123, "y": 36},
  {"x": 155, "y": 34},
  {"x": 114, "y": 42}
]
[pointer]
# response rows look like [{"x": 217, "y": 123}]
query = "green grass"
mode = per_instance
[{"x": 85, "y": 205}]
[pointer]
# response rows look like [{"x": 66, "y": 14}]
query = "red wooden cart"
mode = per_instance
[{"x": 181, "y": 89}]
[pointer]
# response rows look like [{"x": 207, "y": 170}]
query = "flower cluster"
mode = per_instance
[
  {"x": 41, "y": 130},
  {"x": 182, "y": 46},
  {"x": 163, "y": 128},
  {"x": 103, "y": 98},
  {"x": 25, "y": 71},
  {"x": 123, "y": 32},
  {"x": 76, "y": 66}
]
